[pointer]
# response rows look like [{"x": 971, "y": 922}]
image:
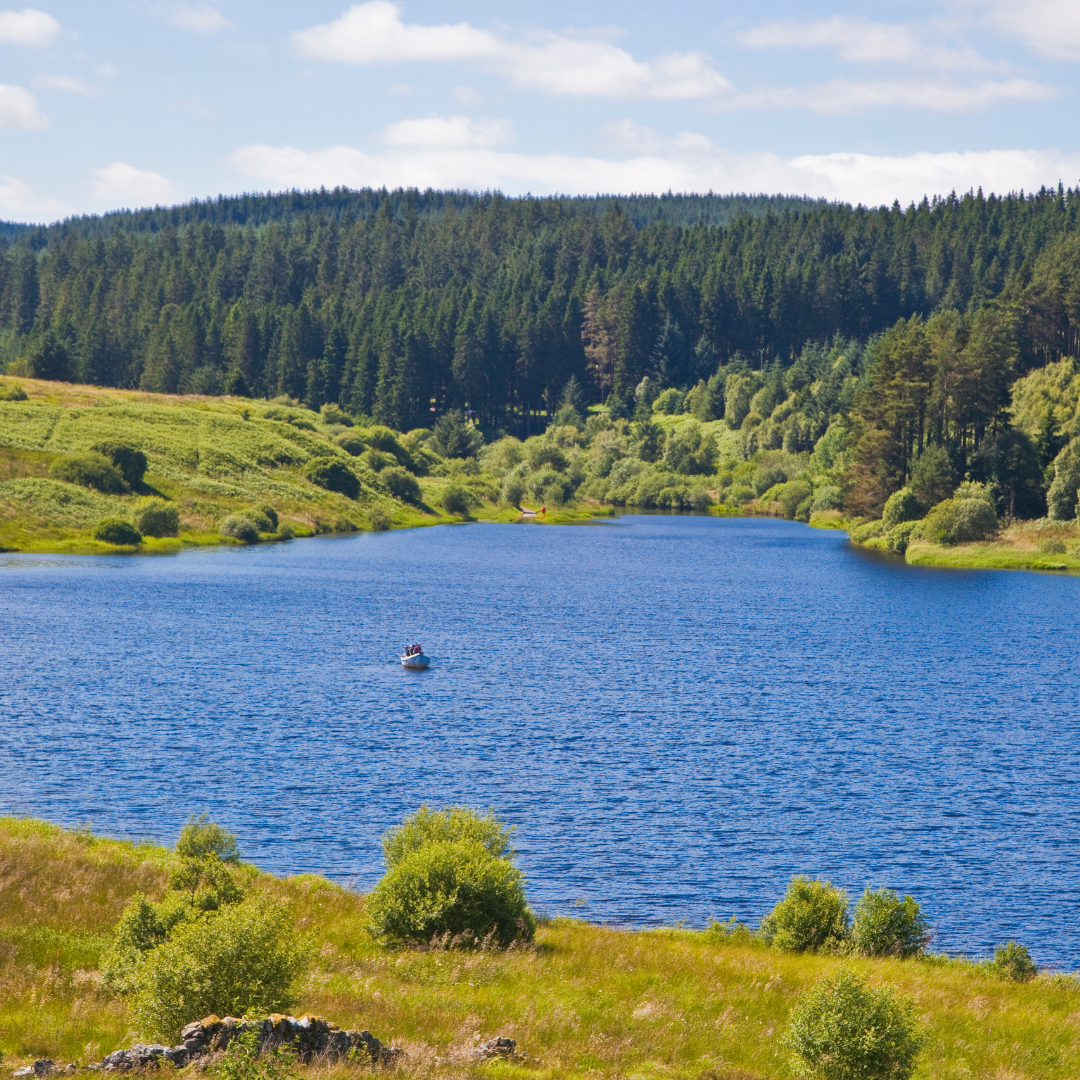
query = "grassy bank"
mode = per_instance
[
  {"x": 584, "y": 1001},
  {"x": 209, "y": 457}
]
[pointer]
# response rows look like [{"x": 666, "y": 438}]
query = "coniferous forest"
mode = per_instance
[{"x": 912, "y": 325}]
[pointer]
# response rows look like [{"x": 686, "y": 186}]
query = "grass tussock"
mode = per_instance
[{"x": 581, "y": 1001}]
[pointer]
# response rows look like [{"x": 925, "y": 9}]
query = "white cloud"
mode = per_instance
[
  {"x": 843, "y": 96},
  {"x": 690, "y": 162},
  {"x": 466, "y": 95},
  {"x": 448, "y": 133},
  {"x": 1050, "y": 27},
  {"x": 19, "y": 203},
  {"x": 125, "y": 185},
  {"x": 202, "y": 18},
  {"x": 29, "y": 27},
  {"x": 861, "y": 41},
  {"x": 557, "y": 63},
  {"x": 19, "y": 109},
  {"x": 67, "y": 84}
]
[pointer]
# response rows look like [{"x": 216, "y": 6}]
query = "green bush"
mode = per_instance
[
  {"x": 452, "y": 825},
  {"x": 959, "y": 521},
  {"x": 843, "y": 1029},
  {"x": 12, "y": 392},
  {"x": 1051, "y": 547},
  {"x": 1062, "y": 496},
  {"x": 453, "y": 438},
  {"x": 269, "y": 513},
  {"x": 456, "y": 500},
  {"x": 334, "y": 414},
  {"x": 243, "y": 959},
  {"x": 867, "y": 531},
  {"x": 401, "y": 484},
  {"x": 1013, "y": 962},
  {"x": 156, "y": 517},
  {"x": 333, "y": 475},
  {"x": 351, "y": 443},
  {"x": 379, "y": 519},
  {"x": 513, "y": 490},
  {"x": 740, "y": 493},
  {"x": 240, "y": 527},
  {"x": 376, "y": 460},
  {"x": 456, "y": 889},
  {"x": 199, "y": 837},
  {"x": 829, "y": 497},
  {"x": 669, "y": 402},
  {"x": 117, "y": 531},
  {"x": 813, "y": 915},
  {"x": 900, "y": 507},
  {"x": 767, "y": 476},
  {"x": 792, "y": 494},
  {"x": 91, "y": 470},
  {"x": 257, "y": 518},
  {"x": 129, "y": 461},
  {"x": 899, "y": 537},
  {"x": 885, "y": 925}
]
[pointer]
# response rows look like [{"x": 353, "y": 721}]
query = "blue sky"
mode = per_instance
[{"x": 113, "y": 103}]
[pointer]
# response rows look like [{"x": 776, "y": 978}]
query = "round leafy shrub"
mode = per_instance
[
  {"x": 240, "y": 527},
  {"x": 255, "y": 515},
  {"x": 792, "y": 494},
  {"x": 540, "y": 481},
  {"x": 333, "y": 475},
  {"x": 843, "y": 1029},
  {"x": 900, "y": 507},
  {"x": 899, "y": 537},
  {"x": 401, "y": 484},
  {"x": 376, "y": 460},
  {"x": 334, "y": 414},
  {"x": 117, "y": 531},
  {"x": 455, "y": 888},
  {"x": 91, "y": 470},
  {"x": 455, "y": 500},
  {"x": 351, "y": 443},
  {"x": 285, "y": 531},
  {"x": 812, "y": 915},
  {"x": 740, "y": 493},
  {"x": 1061, "y": 498},
  {"x": 885, "y": 925},
  {"x": 669, "y": 402},
  {"x": 269, "y": 513},
  {"x": 243, "y": 959},
  {"x": 156, "y": 517},
  {"x": 1012, "y": 961},
  {"x": 379, "y": 518},
  {"x": 513, "y": 490},
  {"x": 829, "y": 497},
  {"x": 455, "y": 824},
  {"x": 129, "y": 461},
  {"x": 959, "y": 521},
  {"x": 767, "y": 476}
]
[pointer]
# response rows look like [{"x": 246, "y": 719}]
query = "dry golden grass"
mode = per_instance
[{"x": 583, "y": 1001}]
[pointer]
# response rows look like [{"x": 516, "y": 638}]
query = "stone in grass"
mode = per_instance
[{"x": 496, "y": 1048}]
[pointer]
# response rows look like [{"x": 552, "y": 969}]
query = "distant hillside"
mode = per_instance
[{"x": 343, "y": 203}]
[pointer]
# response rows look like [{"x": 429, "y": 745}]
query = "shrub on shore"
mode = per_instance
[
  {"x": 379, "y": 519},
  {"x": 240, "y": 527},
  {"x": 959, "y": 521},
  {"x": 1012, "y": 961},
  {"x": 117, "y": 531},
  {"x": 92, "y": 470},
  {"x": 901, "y": 506},
  {"x": 454, "y": 824},
  {"x": 128, "y": 460},
  {"x": 456, "y": 500},
  {"x": 333, "y": 475},
  {"x": 812, "y": 916},
  {"x": 451, "y": 889},
  {"x": 844, "y": 1029},
  {"x": 401, "y": 484},
  {"x": 885, "y": 925},
  {"x": 156, "y": 517}
]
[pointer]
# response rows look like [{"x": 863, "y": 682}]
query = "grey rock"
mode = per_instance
[{"x": 497, "y": 1048}]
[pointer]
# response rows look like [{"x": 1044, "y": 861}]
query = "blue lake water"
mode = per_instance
[{"x": 679, "y": 713}]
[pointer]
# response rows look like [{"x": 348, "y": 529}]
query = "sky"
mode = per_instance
[{"x": 106, "y": 104}]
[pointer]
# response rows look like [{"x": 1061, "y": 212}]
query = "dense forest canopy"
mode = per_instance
[{"x": 402, "y": 306}]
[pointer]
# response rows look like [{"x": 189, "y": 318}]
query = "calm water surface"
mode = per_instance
[{"x": 679, "y": 712}]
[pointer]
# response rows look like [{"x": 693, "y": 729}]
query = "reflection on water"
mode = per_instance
[{"x": 679, "y": 712}]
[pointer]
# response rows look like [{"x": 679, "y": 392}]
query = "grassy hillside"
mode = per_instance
[
  {"x": 208, "y": 456},
  {"x": 585, "y": 1001}
]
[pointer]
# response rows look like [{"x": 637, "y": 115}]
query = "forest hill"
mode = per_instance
[{"x": 400, "y": 307}]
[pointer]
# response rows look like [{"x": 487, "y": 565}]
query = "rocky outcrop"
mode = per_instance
[
  {"x": 497, "y": 1048},
  {"x": 45, "y": 1067},
  {"x": 310, "y": 1037}
]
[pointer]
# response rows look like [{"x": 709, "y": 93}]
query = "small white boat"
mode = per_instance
[{"x": 415, "y": 662}]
